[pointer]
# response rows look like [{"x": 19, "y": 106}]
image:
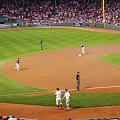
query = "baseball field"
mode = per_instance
[{"x": 41, "y": 71}]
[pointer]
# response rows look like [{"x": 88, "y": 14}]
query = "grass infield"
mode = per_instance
[{"x": 20, "y": 42}]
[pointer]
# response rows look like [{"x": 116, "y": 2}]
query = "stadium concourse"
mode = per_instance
[{"x": 49, "y": 11}]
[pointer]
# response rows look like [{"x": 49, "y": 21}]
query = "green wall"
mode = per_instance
[{"x": 108, "y": 26}]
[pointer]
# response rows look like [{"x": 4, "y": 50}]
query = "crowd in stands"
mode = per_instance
[{"x": 49, "y": 11}]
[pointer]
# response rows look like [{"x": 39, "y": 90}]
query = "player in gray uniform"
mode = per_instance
[{"x": 41, "y": 44}]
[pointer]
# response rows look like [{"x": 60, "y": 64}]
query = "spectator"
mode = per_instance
[{"x": 41, "y": 12}]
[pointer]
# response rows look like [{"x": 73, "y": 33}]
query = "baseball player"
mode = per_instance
[
  {"x": 78, "y": 81},
  {"x": 41, "y": 44},
  {"x": 82, "y": 49},
  {"x": 17, "y": 67},
  {"x": 67, "y": 96},
  {"x": 58, "y": 98}
]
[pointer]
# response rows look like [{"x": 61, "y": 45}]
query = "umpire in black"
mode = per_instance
[{"x": 78, "y": 81}]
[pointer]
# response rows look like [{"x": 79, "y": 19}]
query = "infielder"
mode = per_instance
[
  {"x": 58, "y": 98},
  {"x": 67, "y": 96},
  {"x": 82, "y": 49},
  {"x": 17, "y": 67}
]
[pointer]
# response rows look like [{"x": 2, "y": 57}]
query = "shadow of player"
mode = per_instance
[{"x": 24, "y": 68}]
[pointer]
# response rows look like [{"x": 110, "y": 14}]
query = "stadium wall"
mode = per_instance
[
  {"x": 112, "y": 27},
  {"x": 20, "y": 23},
  {"x": 82, "y": 24},
  {"x": 61, "y": 24},
  {"x": 107, "y": 26}
]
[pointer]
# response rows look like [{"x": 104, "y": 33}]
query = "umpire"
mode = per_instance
[{"x": 78, "y": 81}]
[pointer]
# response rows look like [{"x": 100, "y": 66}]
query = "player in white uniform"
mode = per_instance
[
  {"x": 17, "y": 67},
  {"x": 58, "y": 98},
  {"x": 67, "y": 96},
  {"x": 83, "y": 49}
]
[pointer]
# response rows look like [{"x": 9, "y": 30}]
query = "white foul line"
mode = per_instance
[
  {"x": 104, "y": 87},
  {"x": 91, "y": 88}
]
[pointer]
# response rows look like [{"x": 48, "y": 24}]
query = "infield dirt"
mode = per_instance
[
  {"x": 57, "y": 69},
  {"x": 48, "y": 70}
]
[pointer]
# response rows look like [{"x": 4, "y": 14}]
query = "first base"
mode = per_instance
[{"x": 79, "y": 54}]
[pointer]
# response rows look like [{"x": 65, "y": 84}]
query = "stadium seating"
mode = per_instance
[{"x": 46, "y": 11}]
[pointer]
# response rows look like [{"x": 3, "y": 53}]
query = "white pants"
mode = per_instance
[
  {"x": 58, "y": 101},
  {"x": 67, "y": 103},
  {"x": 17, "y": 66},
  {"x": 83, "y": 50}
]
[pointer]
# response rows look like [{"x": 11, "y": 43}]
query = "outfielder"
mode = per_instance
[
  {"x": 67, "y": 96},
  {"x": 17, "y": 67},
  {"x": 41, "y": 44},
  {"x": 58, "y": 98}
]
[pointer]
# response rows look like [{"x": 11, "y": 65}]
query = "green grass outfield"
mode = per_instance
[
  {"x": 20, "y": 42},
  {"x": 112, "y": 58}
]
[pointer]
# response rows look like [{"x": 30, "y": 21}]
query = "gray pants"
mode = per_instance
[
  {"x": 41, "y": 46},
  {"x": 78, "y": 85}
]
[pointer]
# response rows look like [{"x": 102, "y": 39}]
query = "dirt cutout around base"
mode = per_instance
[{"x": 48, "y": 70}]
